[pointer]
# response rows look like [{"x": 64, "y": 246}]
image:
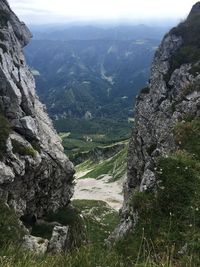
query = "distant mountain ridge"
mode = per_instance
[
  {"x": 92, "y": 73},
  {"x": 89, "y": 32}
]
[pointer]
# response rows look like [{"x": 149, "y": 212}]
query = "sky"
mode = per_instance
[{"x": 61, "y": 11}]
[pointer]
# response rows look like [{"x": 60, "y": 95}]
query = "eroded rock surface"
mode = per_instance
[
  {"x": 60, "y": 239},
  {"x": 35, "y": 244},
  {"x": 35, "y": 175},
  {"x": 171, "y": 96}
]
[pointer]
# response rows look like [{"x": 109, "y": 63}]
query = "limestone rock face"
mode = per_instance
[
  {"x": 35, "y": 244},
  {"x": 59, "y": 241},
  {"x": 35, "y": 174},
  {"x": 159, "y": 107}
]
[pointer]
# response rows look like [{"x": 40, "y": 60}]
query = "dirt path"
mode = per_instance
[{"x": 90, "y": 188}]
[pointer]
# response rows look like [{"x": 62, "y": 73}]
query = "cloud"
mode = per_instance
[{"x": 99, "y": 9}]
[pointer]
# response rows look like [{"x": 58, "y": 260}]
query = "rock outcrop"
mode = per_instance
[
  {"x": 35, "y": 175},
  {"x": 59, "y": 240},
  {"x": 172, "y": 95},
  {"x": 35, "y": 244}
]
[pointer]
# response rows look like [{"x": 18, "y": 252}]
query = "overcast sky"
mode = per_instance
[{"x": 51, "y": 11}]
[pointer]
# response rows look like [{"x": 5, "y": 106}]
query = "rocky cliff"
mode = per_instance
[
  {"x": 35, "y": 175},
  {"x": 170, "y": 102}
]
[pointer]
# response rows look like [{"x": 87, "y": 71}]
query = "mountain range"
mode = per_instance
[{"x": 92, "y": 75}]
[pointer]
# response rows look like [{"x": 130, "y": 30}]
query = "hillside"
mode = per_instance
[{"x": 89, "y": 85}]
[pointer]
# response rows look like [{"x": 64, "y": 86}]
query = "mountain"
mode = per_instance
[
  {"x": 162, "y": 189},
  {"x": 104, "y": 32},
  {"x": 92, "y": 75},
  {"x": 159, "y": 223},
  {"x": 36, "y": 177}
]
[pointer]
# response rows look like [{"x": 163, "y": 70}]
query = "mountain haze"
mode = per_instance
[{"x": 90, "y": 76}]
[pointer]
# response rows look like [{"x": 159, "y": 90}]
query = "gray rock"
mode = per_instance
[
  {"x": 59, "y": 239},
  {"x": 195, "y": 9},
  {"x": 32, "y": 183},
  {"x": 35, "y": 244},
  {"x": 148, "y": 181},
  {"x": 156, "y": 114},
  {"x": 29, "y": 127},
  {"x": 6, "y": 174}
]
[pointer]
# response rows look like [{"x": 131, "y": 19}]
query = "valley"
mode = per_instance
[
  {"x": 89, "y": 85},
  {"x": 101, "y": 176},
  {"x": 88, "y": 78},
  {"x": 65, "y": 161}
]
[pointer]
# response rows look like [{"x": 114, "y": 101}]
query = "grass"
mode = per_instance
[
  {"x": 170, "y": 218},
  {"x": 10, "y": 230},
  {"x": 22, "y": 150},
  {"x": 134, "y": 251},
  {"x": 98, "y": 152},
  {"x": 192, "y": 87},
  {"x": 187, "y": 136},
  {"x": 73, "y": 145},
  {"x": 100, "y": 219},
  {"x": 86, "y": 135},
  {"x": 114, "y": 166},
  {"x": 144, "y": 91},
  {"x": 189, "y": 52},
  {"x": 65, "y": 216},
  {"x": 88, "y": 256}
]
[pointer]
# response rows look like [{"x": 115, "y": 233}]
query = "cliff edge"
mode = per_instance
[
  {"x": 35, "y": 175},
  {"x": 164, "y": 152}
]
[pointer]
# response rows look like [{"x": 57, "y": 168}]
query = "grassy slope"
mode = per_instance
[
  {"x": 75, "y": 143},
  {"x": 100, "y": 221},
  {"x": 169, "y": 221},
  {"x": 114, "y": 167}
]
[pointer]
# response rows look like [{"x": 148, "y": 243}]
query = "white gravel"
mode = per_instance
[{"x": 89, "y": 188}]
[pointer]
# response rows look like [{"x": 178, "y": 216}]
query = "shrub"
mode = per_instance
[
  {"x": 4, "y": 18},
  {"x": 3, "y": 47},
  {"x": 151, "y": 148},
  {"x": 10, "y": 230},
  {"x": 23, "y": 150},
  {"x": 145, "y": 90},
  {"x": 2, "y": 37},
  {"x": 190, "y": 89},
  {"x": 195, "y": 69},
  {"x": 142, "y": 201},
  {"x": 70, "y": 216},
  {"x": 168, "y": 218},
  {"x": 189, "y": 52},
  {"x": 187, "y": 136},
  {"x": 4, "y": 133}
]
